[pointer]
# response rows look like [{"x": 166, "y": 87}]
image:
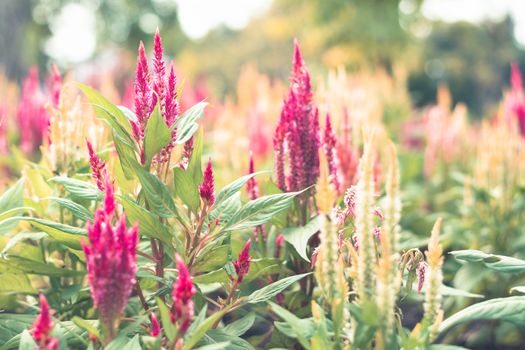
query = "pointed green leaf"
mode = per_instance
[
  {"x": 186, "y": 189},
  {"x": 271, "y": 290},
  {"x": 156, "y": 136}
]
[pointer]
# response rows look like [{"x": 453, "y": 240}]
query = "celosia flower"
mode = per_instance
[
  {"x": 297, "y": 134},
  {"x": 143, "y": 95},
  {"x": 279, "y": 241},
  {"x": 242, "y": 264},
  {"x": 434, "y": 279},
  {"x": 111, "y": 261},
  {"x": 32, "y": 118},
  {"x": 55, "y": 85},
  {"x": 4, "y": 144},
  {"x": 421, "y": 272},
  {"x": 349, "y": 202},
  {"x": 251, "y": 185},
  {"x": 149, "y": 90},
  {"x": 98, "y": 167},
  {"x": 253, "y": 193},
  {"x": 364, "y": 224},
  {"x": 330, "y": 150},
  {"x": 186, "y": 154},
  {"x": 206, "y": 189},
  {"x": 42, "y": 327},
  {"x": 182, "y": 310},
  {"x": 155, "y": 327}
]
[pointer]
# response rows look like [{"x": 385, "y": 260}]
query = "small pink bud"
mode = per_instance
[
  {"x": 242, "y": 264},
  {"x": 278, "y": 245},
  {"x": 155, "y": 327},
  {"x": 182, "y": 310},
  {"x": 251, "y": 185},
  {"x": 206, "y": 189},
  {"x": 98, "y": 167},
  {"x": 421, "y": 272},
  {"x": 42, "y": 327}
]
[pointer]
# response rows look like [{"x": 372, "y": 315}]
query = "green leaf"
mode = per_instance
[
  {"x": 20, "y": 237},
  {"x": 122, "y": 341},
  {"x": 186, "y": 124},
  {"x": 108, "y": 112},
  {"x": 227, "y": 209},
  {"x": 157, "y": 194},
  {"x": 212, "y": 259},
  {"x": 271, "y": 290},
  {"x": 509, "y": 309},
  {"x": 26, "y": 341},
  {"x": 13, "y": 212},
  {"x": 149, "y": 224},
  {"x": 89, "y": 325},
  {"x": 234, "y": 187},
  {"x": 169, "y": 328},
  {"x": 496, "y": 262},
  {"x": 186, "y": 189},
  {"x": 194, "y": 165},
  {"x": 260, "y": 210},
  {"x": 127, "y": 157},
  {"x": 76, "y": 209},
  {"x": 198, "y": 333},
  {"x": 454, "y": 292},
  {"x": 37, "y": 268},
  {"x": 65, "y": 234},
  {"x": 445, "y": 347},
  {"x": 78, "y": 188},
  {"x": 119, "y": 123},
  {"x": 298, "y": 237},
  {"x": 241, "y": 326},
  {"x": 10, "y": 199},
  {"x": 15, "y": 283},
  {"x": 300, "y": 329},
  {"x": 216, "y": 337},
  {"x": 156, "y": 136},
  {"x": 218, "y": 346}
]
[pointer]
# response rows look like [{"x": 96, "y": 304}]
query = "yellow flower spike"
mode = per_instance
[
  {"x": 434, "y": 279},
  {"x": 393, "y": 202},
  {"x": 364, "y": 224},
  {"x": 325, "y": 195}
]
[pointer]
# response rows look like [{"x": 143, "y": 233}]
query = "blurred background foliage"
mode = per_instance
[{"x": 472, "y": 58}]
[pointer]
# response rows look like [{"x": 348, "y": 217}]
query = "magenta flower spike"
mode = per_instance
[
  {"x": 297, "y": 134},
  {"x": 111, "y": 261},
  {"x": 182, "y": 310},
  {"x": 516, "y": 81},
  {"x": 171, "y": 105},
  {"x": 32, "y": 118},
  {"x": 279, "y": 150},
  {"x": 155, "y": 326},
  {"x": 55, "y": 85},
  {"x": 206, "y": 189},
  {"x": 159, "y": 69},
  {"x": 330, "y": 150},
  {"x": 252, "y": 186},
  {"x": 98, "y": 167},
  {"x": 143, "y": 94},
  {"x": 242, "y": 264},
  {"x": 42, "y": 327},
  {"x": 421, "y": 273}
]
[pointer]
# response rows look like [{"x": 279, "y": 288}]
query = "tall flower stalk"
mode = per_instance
[
  {"x": 434, "y": 278},
  {"x": 151, "y": 89},
  {"x": 364, "y": 224},
  {"x": 296, "y": 138}
]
